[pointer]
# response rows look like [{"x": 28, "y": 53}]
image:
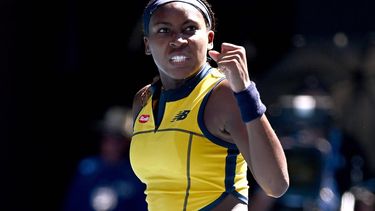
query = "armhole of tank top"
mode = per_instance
[
  {"x": 143, "y": 106},
  {"x": 202, "y": 125}
]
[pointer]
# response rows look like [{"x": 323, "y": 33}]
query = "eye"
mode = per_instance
[
  {"x": 164, "y": 30},
  {"x": 191, "y": 29}
]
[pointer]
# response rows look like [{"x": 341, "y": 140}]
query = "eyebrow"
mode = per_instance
[{"x": 188, "y": 21}]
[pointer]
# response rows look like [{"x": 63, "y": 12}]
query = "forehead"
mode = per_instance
[{"x": 173, "y": 10}]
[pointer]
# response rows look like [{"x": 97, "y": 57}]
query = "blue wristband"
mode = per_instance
[{"x": 249, "y": 102}]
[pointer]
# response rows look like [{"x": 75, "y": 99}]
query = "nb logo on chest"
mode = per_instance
[{"x": 181, "y": 115}]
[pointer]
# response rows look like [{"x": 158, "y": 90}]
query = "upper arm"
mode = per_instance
[{"x": 223, "y": 118}]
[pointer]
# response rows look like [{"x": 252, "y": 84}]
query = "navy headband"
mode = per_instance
[{"x": 150, "y": 9}]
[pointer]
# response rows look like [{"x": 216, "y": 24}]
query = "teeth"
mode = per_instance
[{"x": 178, "y": 58}]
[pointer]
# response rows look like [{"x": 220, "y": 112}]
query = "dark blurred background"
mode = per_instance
[{"x": 63, "y": 63}]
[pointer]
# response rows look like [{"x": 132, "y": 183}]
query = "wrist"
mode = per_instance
[{"x": 248, "y": 100}]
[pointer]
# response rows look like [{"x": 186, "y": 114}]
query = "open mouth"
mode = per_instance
[{"x": 179, "y": 59}]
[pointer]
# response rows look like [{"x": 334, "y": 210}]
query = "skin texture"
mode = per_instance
[
  {"x": 178, "y": 42},
  {"x": 187, "y": 37}
]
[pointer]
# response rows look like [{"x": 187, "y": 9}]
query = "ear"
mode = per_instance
[
  {"x": 147, "y": 48},
  {"x": 211, "y": 36}
]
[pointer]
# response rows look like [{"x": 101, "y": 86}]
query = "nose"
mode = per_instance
[{"x": 177, "y": 41}]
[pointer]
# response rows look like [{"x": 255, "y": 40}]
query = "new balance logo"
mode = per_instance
[{"x": 181, "y": 115}]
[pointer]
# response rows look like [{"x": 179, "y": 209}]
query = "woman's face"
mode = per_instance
[{"x": 178, "y": 40}]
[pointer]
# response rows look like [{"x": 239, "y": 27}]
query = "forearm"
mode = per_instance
[{"x": 267, "y": 159}]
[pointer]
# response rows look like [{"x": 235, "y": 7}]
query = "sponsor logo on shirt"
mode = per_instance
[{"x": 144, "y": 118}]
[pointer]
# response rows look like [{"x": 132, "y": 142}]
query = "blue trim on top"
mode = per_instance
[
  {"x": 161, "y": 109},
  {"x": 176, "y": 94},
  {"x": 203, "y": 127},
  {"x": 222, "y": 197},
  {"x": 230, "y": 173},
  {"x": 215, "y": 203},
  {"x": 241, "y": 197},
  {"x": 230, "y": 169},
  {"x": 187, "y": 88}
]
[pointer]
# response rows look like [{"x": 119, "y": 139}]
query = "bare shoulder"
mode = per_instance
[
  {"x": 140, "y": 98},
  {"x": 221, "y": 113},
  {"x": 222, "y": 96}
]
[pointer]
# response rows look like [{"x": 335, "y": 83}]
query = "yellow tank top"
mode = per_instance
[{"x": 183, "y": 165}]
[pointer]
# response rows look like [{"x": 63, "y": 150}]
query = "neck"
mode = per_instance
[{"x": 170, "y": 84}]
